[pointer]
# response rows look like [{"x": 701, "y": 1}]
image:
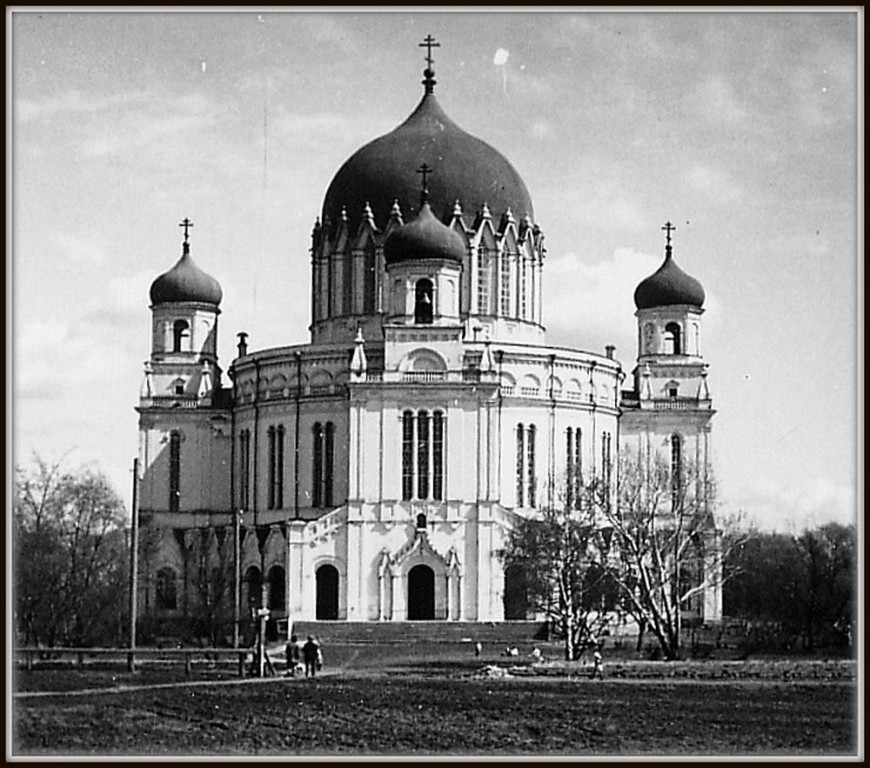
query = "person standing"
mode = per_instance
[
  {"x": 597, "y": 664},
  {"x": 311, "y": 656},
  {"x": 292, "y": 654}
]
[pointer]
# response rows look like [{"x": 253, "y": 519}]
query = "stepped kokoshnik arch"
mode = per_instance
[{"x": 373, "y": 473}]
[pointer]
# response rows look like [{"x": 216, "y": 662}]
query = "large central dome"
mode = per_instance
[{"x": 464, "y": 168}]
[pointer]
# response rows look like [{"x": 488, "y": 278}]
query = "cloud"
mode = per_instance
[
  {"x": 80, "y": 249},
  {"x": 813, "y": 502},
  {"x": 72, "y": 102},
  {"x": 596, "y": 300},
  {"x": 717, "y": 101},
  {"x": 713, "y": 182}
]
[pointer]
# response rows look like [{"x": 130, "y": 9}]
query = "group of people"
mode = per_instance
[{"x": 303, "y": 657}]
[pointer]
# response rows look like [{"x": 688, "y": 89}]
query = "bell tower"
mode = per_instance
[
  {"x": 183, "y": 412},
  {"x": 668, "y": 413}
]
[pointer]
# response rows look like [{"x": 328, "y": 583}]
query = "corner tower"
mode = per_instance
[
  {"x": 668, "y": 413},
  {"x": 184, "y": 421}
]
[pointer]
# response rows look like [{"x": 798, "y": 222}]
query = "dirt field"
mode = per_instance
[{"x": 434, "y": 705}]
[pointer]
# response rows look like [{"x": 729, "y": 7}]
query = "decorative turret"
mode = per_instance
[
  {"x": 184, "y": 309},
  {"x": 669, "y": 285},
  {"x": 186, "y": 282}
]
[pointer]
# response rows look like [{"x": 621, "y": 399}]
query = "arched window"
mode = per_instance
[
  {"x": 574, "y": 468},
  {"x": 180, "y": 332},
  {"x": 174, "y": 471},
  {"x": 521, "y": 464},
  {"x": 324, "y": 462},
  {"x": 276, "y": 467},
  {"x": 516, "y": 594},
  {"x": 673, "y": 341},
  {"x": 606, "y": 461},
  {"x": 676, "y": 469},
  {"x": 421, "y": 522},
  {"x": 504, "y": 283},
  {"x": 166, "y": 596},
  {"x": 423, "y": 455},
  {"x": 277, "y": 588},
  {"x": 484, "y": 261},
  {"x": 530, "y": 450},
  {"x": 369, "y": 279},
  {"x": 407, "y": 455},
  {"x": 523, "y": 287},
  {"x": 423, "y": 310},
  {"x": 253, "y": 588},
  {"x": 245, "y": 469}
]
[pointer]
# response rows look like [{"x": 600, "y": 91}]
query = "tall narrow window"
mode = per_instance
[
  {"x": 483, "y": 292},
  {"x": 504, "y": 289},
  {"x": 174, "y": 471},
  {"x": 438, "y": 456},
  {"x": 180, "y": 332},
  {"x": 347, "y": 283},
  {"x": 523, "y": 265},
  {"x": 423, "y": 310},
  {"x": 244, "y": 469},
  {"x": 521, "y": 463},
  {"x": 279, "y": 468},
  {"x": 166, "y": 595},
  {"x": 423, "y": 455},
  {"x": 369, "y": 286},
  {"x": 328, "y": 464},
  {"x": 407, "y": 455},
  {"x": 317, "y": 479},
  {"x": 676, "y": 469},
  {"x": 530, "y": 439},
  {"x": 271, "y": 451},
  {"x": 606, "y": 460},
  {"x": 570, "y": 480}
]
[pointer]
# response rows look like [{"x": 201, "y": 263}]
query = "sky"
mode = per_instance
[{"x": 739, "y": 127}]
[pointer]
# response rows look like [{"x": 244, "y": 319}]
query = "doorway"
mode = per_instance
[{"x": 421, "y": 593}]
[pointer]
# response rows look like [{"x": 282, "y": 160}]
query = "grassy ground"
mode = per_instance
[{"x": 419, "y": 700}]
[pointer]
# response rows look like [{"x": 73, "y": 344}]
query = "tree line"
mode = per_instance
[{"x": 645, "y": 547}]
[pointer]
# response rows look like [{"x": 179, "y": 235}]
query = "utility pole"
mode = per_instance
[{"x": 134, "y": 567}]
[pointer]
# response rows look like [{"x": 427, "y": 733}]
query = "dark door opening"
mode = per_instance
[
  {"x": 327, "y": 593},
  {"x": 516, "y": 600},
  {"x": 421, "y": 593}
]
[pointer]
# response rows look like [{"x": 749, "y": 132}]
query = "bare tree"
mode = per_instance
[
  {"x": 70, "y": 556},
  {"x": 659, "y": 543},
  {"x": 555, "y": 552}
]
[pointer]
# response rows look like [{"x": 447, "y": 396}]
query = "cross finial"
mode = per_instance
[
  {"x": 187, "y": 224},
  {"x": 429, "y": 43},
  {"x": 668, "y": 228},
  {"x": 424, "y": 170}
]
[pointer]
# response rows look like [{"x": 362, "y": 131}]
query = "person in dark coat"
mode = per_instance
[{"x": 311, "y": 656}]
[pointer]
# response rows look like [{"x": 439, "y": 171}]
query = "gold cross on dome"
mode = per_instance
[
  {"x": 668, "y": 228},
  {"x": 429, "y": 43}
]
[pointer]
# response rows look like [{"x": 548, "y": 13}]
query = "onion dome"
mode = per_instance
[
  {"x": 469, "y": 170},
  {"x": 669, "y": 285},
  {"x": 186, "y": 282},
  {"x": 424, "y": 238}
]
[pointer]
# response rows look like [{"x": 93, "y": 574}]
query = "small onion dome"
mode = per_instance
[
  {"x": 668, "y": 286},
  {"x": 424, "y": 238},
  {"x": 186, "y": 282}
]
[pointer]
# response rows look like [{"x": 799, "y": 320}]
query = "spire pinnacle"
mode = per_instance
[
  {"x": 667, "y": 229},
  {"x": 424, "y": 170},
  {"x": 187, "y": 224},
  {"x": 429, "y": 73}
]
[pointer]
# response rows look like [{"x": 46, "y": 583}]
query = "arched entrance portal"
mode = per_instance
[
  {"x": 421, "y": 593},
  {"x": 327, "y": 593}
]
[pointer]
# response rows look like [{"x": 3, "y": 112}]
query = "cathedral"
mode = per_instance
[{"x": 373, "y": 473}]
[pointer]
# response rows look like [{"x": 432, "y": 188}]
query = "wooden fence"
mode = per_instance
[{"x": 32, "y": 657}]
